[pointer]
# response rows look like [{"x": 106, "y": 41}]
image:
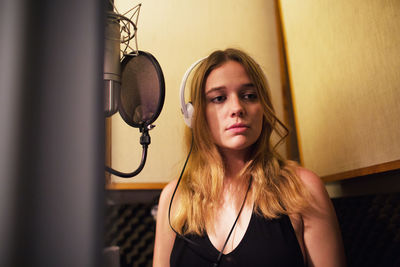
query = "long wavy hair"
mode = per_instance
[{"x": 275, "y": 188}]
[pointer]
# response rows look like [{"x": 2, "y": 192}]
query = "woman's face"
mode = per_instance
[{"x": 233, "y": 110}]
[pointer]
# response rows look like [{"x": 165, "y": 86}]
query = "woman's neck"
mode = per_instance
[
  {"x": 234, "y": 185},
  {"x": 234, "y": 162}
]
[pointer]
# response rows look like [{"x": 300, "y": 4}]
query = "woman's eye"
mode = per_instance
[
  {"x": 250, "y": 96},
  {"x": 218, "y": 99}
]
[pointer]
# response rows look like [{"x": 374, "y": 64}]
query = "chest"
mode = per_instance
[
  {"x": 224, "y": 223},
  {"x": 265, "y": 242}
]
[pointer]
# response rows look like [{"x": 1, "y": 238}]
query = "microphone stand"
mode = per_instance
[{"x": 145, "y": 140}]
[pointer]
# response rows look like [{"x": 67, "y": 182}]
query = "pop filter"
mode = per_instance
[
  {"x": 141, "y": 98},
  {"x": 142, "y": 89}
]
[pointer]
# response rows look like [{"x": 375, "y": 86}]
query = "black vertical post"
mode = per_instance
[{"x": 58, "y": 170}]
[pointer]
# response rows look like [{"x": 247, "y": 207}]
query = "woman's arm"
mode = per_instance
[
  {"x": 322, "y": 237},
  {"x": 165, "y": 237}
]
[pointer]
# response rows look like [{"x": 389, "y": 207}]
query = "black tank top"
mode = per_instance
[{"x": 267, "y": 242}]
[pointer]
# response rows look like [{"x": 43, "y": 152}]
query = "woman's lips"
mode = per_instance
[{"x": 238, "y": 128}]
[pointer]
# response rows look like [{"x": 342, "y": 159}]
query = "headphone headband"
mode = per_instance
[{"x": 187, "y": 108}]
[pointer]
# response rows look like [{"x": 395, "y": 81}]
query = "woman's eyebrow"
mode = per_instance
[
  {"x": 248, "y": 85},
  {"x": 215, "y": 89},
  {"x": 221, "y": 88}
]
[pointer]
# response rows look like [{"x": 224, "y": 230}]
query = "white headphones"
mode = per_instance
[{"x": 187, "y": 108}]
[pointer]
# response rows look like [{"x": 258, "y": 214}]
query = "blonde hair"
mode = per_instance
[{"x": 276, "y": 189}]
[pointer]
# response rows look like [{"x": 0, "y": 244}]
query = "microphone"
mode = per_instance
[
  {"x": 112, "y": 65},
  {"x": 134, "y": 85}
]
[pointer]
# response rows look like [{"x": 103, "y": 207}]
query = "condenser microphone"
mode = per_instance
[
  {"x": 112, "y": 65},
  {"x": 134, "y": 84}
]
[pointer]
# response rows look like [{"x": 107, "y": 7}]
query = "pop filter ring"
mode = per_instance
[{"x": 144, "y": 124}]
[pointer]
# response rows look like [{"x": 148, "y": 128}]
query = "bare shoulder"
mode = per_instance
[
  {"x": 320, "y": 223},
  {"x": 308, "y": 177},
  {"x": 167, "y": 191},
  {"x": 164, "y": 235},
  {"x": 312, "y": 182},
  {"x": 166, "y": 196}
]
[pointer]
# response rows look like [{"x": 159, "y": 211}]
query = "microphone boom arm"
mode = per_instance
[{"x": 145, "y": 140}]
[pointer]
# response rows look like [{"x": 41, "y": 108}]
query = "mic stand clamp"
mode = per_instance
[{"x": 145, "y": 139}]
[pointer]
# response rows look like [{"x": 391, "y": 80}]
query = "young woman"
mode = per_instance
[{"x": 238, "y": 202}]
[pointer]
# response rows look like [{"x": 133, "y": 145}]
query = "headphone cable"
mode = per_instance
[{"x": 173, "y": 195}]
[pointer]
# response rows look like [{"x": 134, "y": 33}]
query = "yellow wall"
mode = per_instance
[
  {"x": 345, "y": 76},
  {"x": 178, "y": 32}
]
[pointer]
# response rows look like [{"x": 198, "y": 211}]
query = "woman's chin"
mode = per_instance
[{"x": 236, "y": 146}]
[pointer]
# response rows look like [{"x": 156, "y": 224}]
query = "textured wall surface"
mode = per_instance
[
  {"x": 131, "y": 227},
  {"x": 344, "y": 69}
]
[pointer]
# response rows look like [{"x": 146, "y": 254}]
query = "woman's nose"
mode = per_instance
[{"x": 236, "y": 107}]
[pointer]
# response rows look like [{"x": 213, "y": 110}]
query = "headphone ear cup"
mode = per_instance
[
  {"x": 187, "y": 108},
  {"x": 190, "y": 111}
]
